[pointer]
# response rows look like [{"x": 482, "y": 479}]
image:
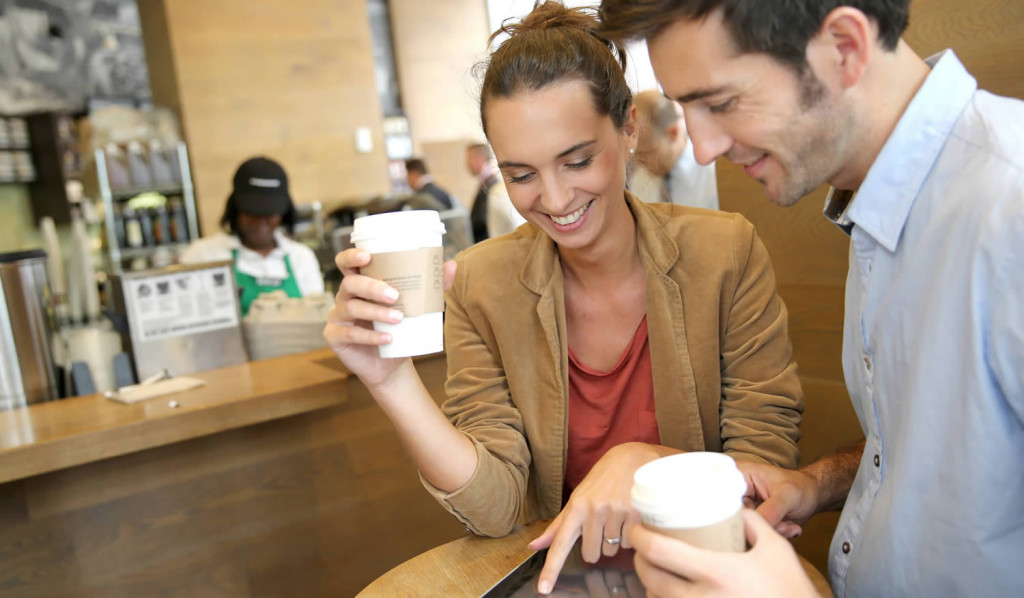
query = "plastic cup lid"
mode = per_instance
[
  {"x": 689, "y": 490},
  {"x": 400, "y": 223}
]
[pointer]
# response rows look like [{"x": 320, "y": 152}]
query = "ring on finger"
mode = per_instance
[{"x": 613, "y": 541}]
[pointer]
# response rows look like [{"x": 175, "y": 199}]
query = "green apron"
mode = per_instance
[{"x": 250, "y": 287}]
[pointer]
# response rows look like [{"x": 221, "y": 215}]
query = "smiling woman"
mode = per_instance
[{"x": 601, "y": 335}]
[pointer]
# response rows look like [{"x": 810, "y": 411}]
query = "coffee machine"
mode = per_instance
[{"x": 27, "y": 372}]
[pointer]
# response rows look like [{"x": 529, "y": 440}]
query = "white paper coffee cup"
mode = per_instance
[
  {"x": 407, "y": 253},
  {"x": 695, "y": 497}
]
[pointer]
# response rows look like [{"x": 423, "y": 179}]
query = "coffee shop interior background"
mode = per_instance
[{"x": 122, "y": 123}]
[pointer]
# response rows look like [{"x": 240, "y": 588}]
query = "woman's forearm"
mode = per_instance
[{"x": 445, "y": 457}]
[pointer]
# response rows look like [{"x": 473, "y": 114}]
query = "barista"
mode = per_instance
[{"x": 258, "y": 213}]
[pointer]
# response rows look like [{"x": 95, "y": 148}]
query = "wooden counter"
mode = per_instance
[
  {"x": 59, "y": 434},
  {"x": 278, "y": 478}
]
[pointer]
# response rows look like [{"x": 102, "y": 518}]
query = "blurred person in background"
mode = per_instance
[
  {"x": 664, "y": 168},
  {"x": 492, "y": 213},
  {"x": 258, "y": 214},
  {"x": 427, "y": 195},
  {"x": 480, "y": 163}
]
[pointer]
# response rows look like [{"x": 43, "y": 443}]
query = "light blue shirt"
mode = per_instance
[{"x": 933, "y": 351}]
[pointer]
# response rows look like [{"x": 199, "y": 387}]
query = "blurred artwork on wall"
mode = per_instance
[{"x": 65, "y": 55}]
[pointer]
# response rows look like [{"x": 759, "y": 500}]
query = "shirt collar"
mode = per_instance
[
  {"x": 424, "y": 180},
  {"x": 895, "y": 178}
]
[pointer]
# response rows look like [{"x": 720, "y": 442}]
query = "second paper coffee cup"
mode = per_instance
[
  {"x": 407, "y": 253},
  {"x": 694, "y": 497}
]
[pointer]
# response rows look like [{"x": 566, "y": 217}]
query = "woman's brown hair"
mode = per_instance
[{"x": 555, "y": 44}]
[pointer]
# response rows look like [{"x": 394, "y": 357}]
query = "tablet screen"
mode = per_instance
[{"x": 609, "y": 577}]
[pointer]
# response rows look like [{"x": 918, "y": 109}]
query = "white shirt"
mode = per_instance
[
  {"x": 646, "y": 185},
  {"x": 691, "y": 184},
  {"x": 933, "y": 351},
  {"x": 272, "y": 267},
  {"x": 502, "y": 216}
]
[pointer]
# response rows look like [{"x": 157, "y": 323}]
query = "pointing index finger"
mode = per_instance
[{"x": 560, "y": 548}]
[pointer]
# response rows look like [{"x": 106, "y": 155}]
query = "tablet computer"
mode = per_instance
[{"x": 609, "y": 577}]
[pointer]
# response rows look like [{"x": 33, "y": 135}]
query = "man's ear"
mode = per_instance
[
  {"x": 672, "y": 132},
  {"x": 843, "y": 46}
]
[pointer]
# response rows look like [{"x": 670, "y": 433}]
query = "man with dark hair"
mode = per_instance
[
  {"x": 928, "y": 181},
  {"x": 427, "y": 195}
]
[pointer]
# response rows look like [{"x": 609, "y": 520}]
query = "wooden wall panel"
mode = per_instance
[
  {"x": 987, "y": 36},
  {"x": 291, "y": 80},
  {"x": 436, "y": 46}
]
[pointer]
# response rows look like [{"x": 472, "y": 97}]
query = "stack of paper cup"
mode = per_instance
[
  {"x": 694, "y": 497},
  {"x": 407, "y": 253}
]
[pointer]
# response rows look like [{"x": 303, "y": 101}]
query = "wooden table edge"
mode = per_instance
[{"x": 511, "y": 549}]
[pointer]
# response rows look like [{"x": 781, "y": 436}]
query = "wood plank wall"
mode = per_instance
[
  {"x": 291, "y": 80},
  {"x": 319, "y": 504},
  {"x": 810, "y": 255},
  {"x": 436, "y": 45}
]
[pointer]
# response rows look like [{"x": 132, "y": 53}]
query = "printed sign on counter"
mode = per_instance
[{"x": 181, "y": 303}]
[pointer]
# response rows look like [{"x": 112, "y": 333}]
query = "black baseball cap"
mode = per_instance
[{"x": 261, "y": 188}]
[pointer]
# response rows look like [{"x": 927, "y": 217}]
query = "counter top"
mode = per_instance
[{"x": 59, "y": 434}]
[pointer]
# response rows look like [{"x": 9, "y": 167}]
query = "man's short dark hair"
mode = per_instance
[
  {"x": 779, "y": 28},
  {"x": 416, "y": 165}
]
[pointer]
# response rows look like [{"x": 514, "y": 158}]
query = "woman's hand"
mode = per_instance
[
  {"x": 360, "y": 301},
  {"x": 598, "y": 510}
]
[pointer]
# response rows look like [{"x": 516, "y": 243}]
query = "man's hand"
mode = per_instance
[
  {"x": 669, "y": 567},
  {"x": 784, "y": 497},
  {"x": 787, "y": 499}
]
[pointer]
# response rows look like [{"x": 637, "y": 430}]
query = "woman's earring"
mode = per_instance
[{"x": 631, "y": 151}]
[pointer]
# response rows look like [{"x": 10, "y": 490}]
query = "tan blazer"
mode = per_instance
[{"x": 724, "y": 379}]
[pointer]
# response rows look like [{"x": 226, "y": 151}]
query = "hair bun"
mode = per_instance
[{"x": 550, "y": 15}]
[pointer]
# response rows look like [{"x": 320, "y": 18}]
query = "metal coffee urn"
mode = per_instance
[{"x": 26, "y": 361}]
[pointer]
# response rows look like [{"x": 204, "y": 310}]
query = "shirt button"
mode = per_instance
[
  {"x": 867, "y": 363},
  {"x": 846, "y": 548},
  {"x": 878, "y": 460}
]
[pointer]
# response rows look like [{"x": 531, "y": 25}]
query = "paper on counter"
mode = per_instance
[{"x": 142, "y": 392}]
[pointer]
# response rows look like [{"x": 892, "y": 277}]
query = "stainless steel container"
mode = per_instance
[{"x": 26, "y": 360}]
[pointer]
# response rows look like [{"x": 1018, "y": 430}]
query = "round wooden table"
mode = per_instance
[{"x": 470, "y": 566}]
